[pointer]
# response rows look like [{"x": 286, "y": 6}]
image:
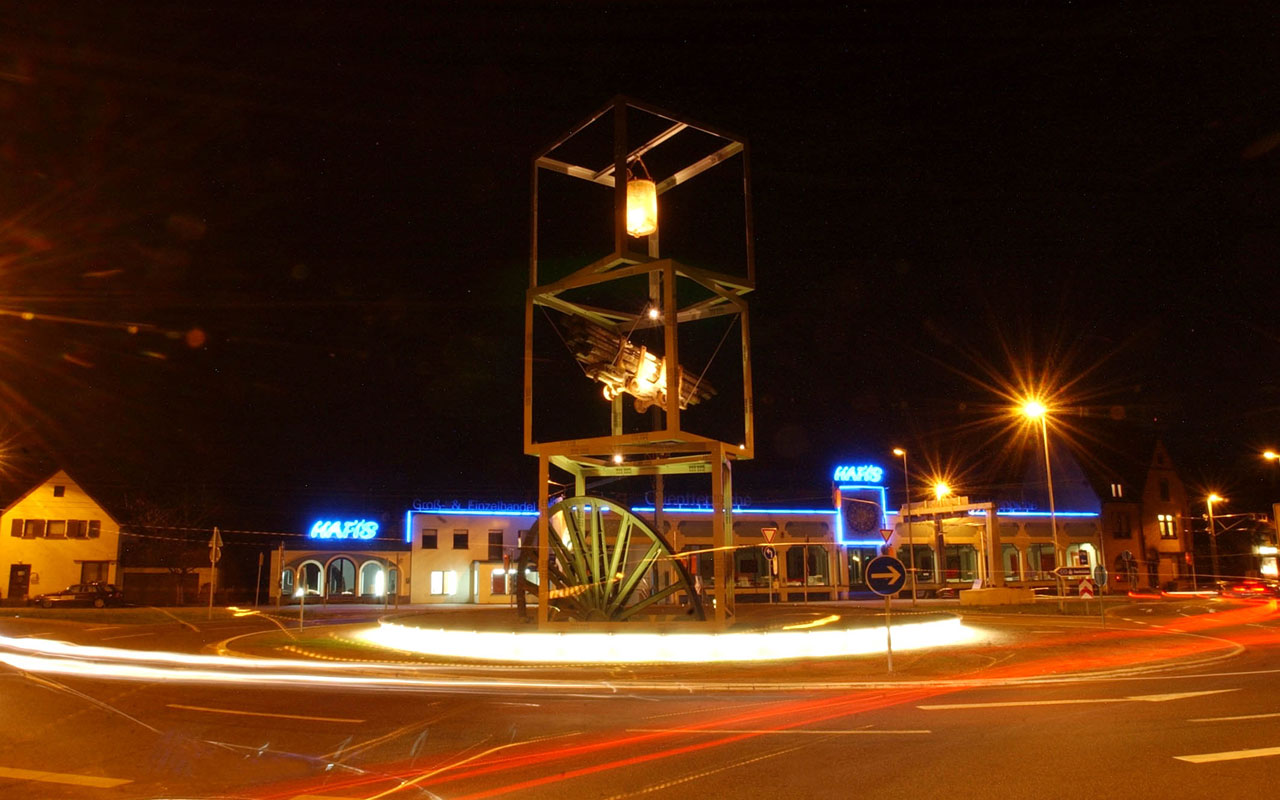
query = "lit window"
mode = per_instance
[
  {"x": 33, "y": 529},
  {"x": 437, "y": 582},
  {"x": 1168, "y": 526},
  {"x": 1117, "y": 490}
]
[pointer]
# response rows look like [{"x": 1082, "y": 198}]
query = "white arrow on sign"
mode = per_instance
[
  {"x": 892, "y": 574},
  {"x": 1145, "y": 698}
]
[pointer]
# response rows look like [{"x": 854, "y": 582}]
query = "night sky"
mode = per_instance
[{"x": 316, "y": 216}]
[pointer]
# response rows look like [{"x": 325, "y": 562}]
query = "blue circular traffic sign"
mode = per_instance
[{"x": 886, "y": 575}]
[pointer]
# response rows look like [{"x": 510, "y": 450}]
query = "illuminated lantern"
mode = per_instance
[{"x": 642, "y": 207}]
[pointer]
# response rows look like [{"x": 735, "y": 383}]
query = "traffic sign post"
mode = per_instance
[
  {"x": 1073, "y": 572},
  {"x": 771, "y": 555},
  {"x": 215, "y": 553},
  {"x": 886, "y": 576}
]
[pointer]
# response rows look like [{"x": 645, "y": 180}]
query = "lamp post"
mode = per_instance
[
  {"x": 940, "y": 490},
  {"x": 911, "y": 549},
  {"x": 1213, "y": 497},
  {"x": 1036, "y": 411}
]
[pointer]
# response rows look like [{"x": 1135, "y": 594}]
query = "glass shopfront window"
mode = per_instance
[
  {"x": 924, "y": 563},
  {"x": 815, "y": 570},
  {"x": 1011, "y": 562},
  {"x": 961, "y": 563},
  {"x": 750, "y": 567},
  {"x": 1041, "y": 561}
]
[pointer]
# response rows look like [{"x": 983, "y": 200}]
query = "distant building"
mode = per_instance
[
  {"x": 1146, "y": 522},
  {"x": 56, "y": 535}
]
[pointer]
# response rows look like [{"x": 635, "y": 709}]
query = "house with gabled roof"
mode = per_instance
[{"x": 53, "y": 536}]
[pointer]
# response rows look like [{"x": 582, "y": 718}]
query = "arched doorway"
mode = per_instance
[{"x": 341, "y": 582}]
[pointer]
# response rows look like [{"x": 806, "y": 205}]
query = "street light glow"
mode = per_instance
[
  {"x": 1034, "y": 409},
  {"x": 898, "y": 451},
  {"x": 941, "y": 490},
  {"x": 1271, "y": 455},
  {"x": 1214, "y": 497}
]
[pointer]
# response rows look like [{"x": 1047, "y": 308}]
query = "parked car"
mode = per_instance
[
  {"x": 1248, "y": 587},
  {"x": 96, "y": 594}
]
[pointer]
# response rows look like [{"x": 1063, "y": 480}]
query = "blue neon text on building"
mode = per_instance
[{"x": 343, "y": 529}]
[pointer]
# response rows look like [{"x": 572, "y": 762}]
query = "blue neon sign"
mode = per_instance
[
  {"x": 343, "y": 529},
  {"x": 863, "y": 473}
]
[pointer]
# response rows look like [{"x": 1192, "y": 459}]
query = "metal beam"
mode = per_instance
[
  {"x": 700, "y": 166},
  {"x": 575, "y": 171}
]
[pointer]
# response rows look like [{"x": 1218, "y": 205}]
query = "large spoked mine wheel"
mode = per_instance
[{"x": 604, "y": 564}]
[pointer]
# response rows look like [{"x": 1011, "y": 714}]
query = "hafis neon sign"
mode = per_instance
[
  {"x": 863, "y": 473},
  {"x": 343, "y": 529}
]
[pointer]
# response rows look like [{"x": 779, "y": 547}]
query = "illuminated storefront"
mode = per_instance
[
  {"x": 342, "y": 560},
  {"x": 468, "y": 551}
]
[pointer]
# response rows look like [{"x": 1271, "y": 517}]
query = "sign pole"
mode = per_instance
[
  {"x": 257, "y": 586},
  {"x": 215, "y": 545},
  {"x": 888, "y": 635}
]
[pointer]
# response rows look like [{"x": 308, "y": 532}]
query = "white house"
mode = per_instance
[{"x": 56, "y": 535}]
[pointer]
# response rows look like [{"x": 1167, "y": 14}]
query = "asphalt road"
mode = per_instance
[{"x": 1177, "y": 700}]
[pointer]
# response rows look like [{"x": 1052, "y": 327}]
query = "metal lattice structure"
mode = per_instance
[{"x": 606, "y": 302}]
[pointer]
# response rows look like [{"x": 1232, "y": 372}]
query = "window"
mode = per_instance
[
  {"x": 1117, "y": 490},
  {"x": 810, "y": 571},
  {"x": 1164, "y": 490},
  {"x": 1121, "y": 526},
  {"x": 286, "y": 582},
  {"x": 33, "y": 529},
  {"x": 77, "y": 528},
  {"x": 461, "y": 541},
  {"x": 16, "y": 528},
  {"x": 1041, "y": 561},
  {"x": 1168, "y": 526},
  {"x": 56, "y": 529},
  {"x": 498, "y": 582},
  {"x": 94, "y": 571},
  {"x": 430, "y": 538},
  {"x": 342, "y": 577},
  {"x": 444, "y": 582},
  {"x": 495, "y": 545},
  {"x": 59, "y": 491},
  {"x": 95, "y": 528}
]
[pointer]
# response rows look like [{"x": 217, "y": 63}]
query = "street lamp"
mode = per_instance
[
  {"x": 1036, "y": 411},
  {"x": 940, "y": 490},
  {"x": 1213, "y": 497},
  {"x": 911, "y": 548}
]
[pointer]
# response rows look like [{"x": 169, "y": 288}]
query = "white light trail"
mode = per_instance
[{"x": 651, "y": 648}]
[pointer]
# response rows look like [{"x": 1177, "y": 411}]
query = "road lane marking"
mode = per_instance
[
  {"x": 1233, "y": 719},
  {"x": 103, "y": 628},
  {"x": 1230, "y": 755},
  {"x": 789, "y": 731},
  {"x": 1148, "y": 698},
  {"x": 62, "y": 777},
  {"x": 263, "y": 714},
  {"x": 33, "y": 635},
  {"x": 126, "y": 636}
]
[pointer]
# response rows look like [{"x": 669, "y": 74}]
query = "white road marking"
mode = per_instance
[
  {"x": 103, "y": 628},
  {"x": 790, "y": 731},
  {"x": 1233, "y": 719},
  {"x": 263, "y": 714},
  {"x": 126, "y": 636},
  {"x": 1230, "y": 755},
  {"x": 1148, "y": 698},
  {"x": 62, "y": 777},
  {"x": 33, "y": 635}
]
